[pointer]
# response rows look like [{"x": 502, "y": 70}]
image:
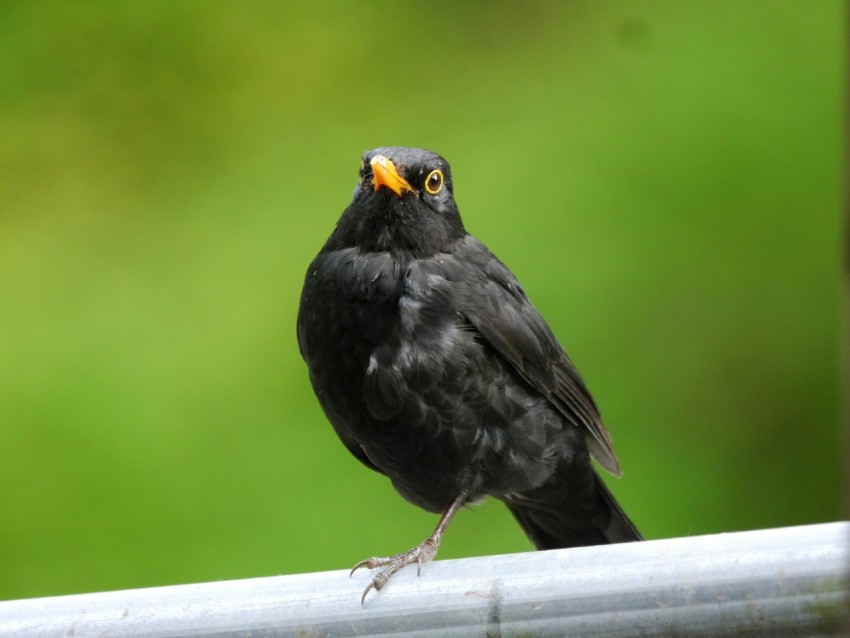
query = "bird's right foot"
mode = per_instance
[{"x": 422, "y": 553}]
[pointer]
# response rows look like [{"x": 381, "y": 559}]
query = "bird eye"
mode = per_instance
[
  {"x": 365, "y": 171},
  {"x": 434, "y": 181}
]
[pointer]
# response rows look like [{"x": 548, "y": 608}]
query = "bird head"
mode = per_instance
[{"x": 403, "y": 202}]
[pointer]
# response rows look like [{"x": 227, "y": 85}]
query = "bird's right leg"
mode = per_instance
[{"x": 422, "y": 553}]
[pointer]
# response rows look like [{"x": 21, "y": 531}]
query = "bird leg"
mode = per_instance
[{"x": 422, "y": 553}]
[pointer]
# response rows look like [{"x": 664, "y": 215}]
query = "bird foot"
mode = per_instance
[{"x": 422, "y": 553}]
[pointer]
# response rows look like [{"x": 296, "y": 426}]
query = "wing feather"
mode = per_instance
[{"x": 498, "y": 308}]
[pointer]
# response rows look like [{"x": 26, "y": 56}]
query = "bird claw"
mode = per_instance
[
  {"x": 422, "y": 553},
  {"x": 368, "y": 563}
]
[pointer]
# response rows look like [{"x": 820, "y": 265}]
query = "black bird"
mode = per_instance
[{"x": 436, "y": 370}]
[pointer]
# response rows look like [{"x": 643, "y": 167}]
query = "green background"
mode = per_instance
[{"x": 663, "y": 177}]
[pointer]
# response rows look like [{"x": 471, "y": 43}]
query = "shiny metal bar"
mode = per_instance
[{"x": 774, "y": 582}]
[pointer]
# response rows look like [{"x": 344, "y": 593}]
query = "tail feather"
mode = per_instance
[
  {"x": 553, "y": 519},
  {"x": 620, "y": 528}
]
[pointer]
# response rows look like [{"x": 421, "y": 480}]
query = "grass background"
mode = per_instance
[{"x": 663, "y": 177}]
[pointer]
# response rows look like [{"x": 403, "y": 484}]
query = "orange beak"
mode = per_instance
[{"x": 385, "y": 174}]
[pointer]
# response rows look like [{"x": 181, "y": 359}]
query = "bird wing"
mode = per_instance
[{"x": 498, "y": 308}]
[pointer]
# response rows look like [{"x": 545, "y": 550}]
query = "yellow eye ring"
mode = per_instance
[{"x": 434, "y": 181}]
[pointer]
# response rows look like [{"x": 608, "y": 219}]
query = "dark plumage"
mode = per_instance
[{"x": 436, "y": 370}]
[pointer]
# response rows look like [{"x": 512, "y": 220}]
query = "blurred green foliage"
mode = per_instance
[{"x": 663, "y": 177}]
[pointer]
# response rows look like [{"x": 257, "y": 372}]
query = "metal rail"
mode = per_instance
[{"x": 776, "y": 582}]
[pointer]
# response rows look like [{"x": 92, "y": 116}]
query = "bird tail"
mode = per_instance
[{"x": 554, "y": 519}]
